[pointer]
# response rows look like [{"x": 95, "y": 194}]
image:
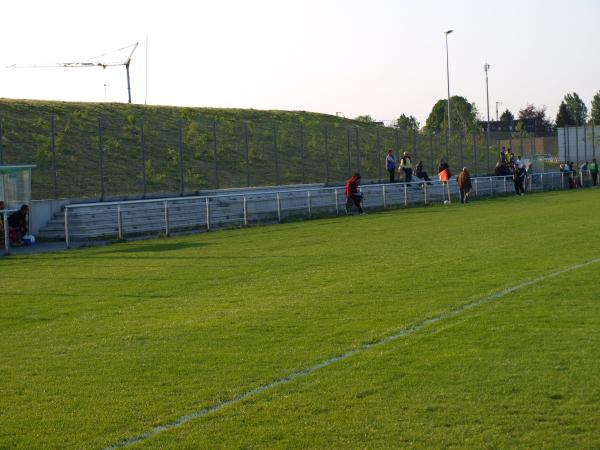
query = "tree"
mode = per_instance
[
  {"x": 407, "y": 123},
  {"x": 366, "y": 119},
  {"x": 462, "y": 113},
  {"x": 506, "y": 120},
  {"x": 542, "y": 124},
  {"x": 564, "y": 118},
  {"x": 576, "y": 108},
  {"x": 595, "y": 115}
]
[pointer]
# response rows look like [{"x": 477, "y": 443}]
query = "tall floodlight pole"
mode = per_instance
[
  {"x": 497, "y": 103},
  {"x": 448, "y": 75},
  {"x": 486, "y": 67}
]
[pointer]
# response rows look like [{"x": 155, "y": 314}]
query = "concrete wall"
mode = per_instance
[{"x": 579, "y": 144}]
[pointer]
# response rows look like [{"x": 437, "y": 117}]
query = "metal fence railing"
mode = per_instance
[
  {"x": 120, "y": 220},
  {"x": 141, "y": 152}
]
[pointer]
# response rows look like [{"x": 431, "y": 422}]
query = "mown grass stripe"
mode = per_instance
[{"x": 387, "y": 339}]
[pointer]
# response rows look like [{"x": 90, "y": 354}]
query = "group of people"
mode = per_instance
[
  {"x": 569, "y": 170},
  {"x": 514, "y": 167},
  {"x": 405, "y": 166},
  {"x": 17, "y": 224}
]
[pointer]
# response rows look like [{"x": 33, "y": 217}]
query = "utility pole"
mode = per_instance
[
  {"x": 448, "y": 76},
  {"x": 497, "y": 103}
]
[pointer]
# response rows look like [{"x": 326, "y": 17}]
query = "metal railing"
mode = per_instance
[{"x": 197, "y": 213}]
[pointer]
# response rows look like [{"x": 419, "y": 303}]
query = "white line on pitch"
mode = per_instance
[{"x": 309, "y": 370}]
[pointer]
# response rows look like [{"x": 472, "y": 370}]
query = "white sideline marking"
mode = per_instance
[{"x": 302, "y": 373}]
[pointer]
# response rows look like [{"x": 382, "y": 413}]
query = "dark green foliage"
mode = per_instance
[
  {"x": 462, "y": 114},
  {"x": 576, "y": 108},
  {"x": 564, "y": 117}
]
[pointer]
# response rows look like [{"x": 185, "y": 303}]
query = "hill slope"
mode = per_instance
[{"x": 112, "y": 149}]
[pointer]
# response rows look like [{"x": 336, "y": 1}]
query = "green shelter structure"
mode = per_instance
[{"x": 15, "y": 185}]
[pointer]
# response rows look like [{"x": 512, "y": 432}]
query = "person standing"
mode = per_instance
[
  {"x": 594, "y": 172},
  {"x": 518, "y": 179},
  {"x": 353, "y": 195},
  {"x": 17, "y": 223},
  {"x": 463, "y": 179},
  {"x": 390, "y": 165},
  {"x": 406, "y": 167}
]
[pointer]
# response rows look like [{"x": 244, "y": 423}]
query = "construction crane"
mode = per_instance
[{"x": 92, "y": 62}]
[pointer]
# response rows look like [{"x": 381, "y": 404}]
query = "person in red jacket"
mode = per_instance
[{"x": 352, "y": 193}]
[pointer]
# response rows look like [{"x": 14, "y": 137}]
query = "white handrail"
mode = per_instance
[{"x": 262, "y": 193}]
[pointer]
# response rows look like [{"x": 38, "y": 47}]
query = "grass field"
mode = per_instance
[{"x": 101, "y": 345}]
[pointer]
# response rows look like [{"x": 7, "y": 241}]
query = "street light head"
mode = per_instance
[
  {"x": 486, "y": 67},
  {"x": 449, "y": 31}
]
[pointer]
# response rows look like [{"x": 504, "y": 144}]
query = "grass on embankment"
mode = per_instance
[{"x": 102, "y": 344}]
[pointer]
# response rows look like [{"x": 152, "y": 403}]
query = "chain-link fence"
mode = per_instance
[{"x": 79, "y": 155}]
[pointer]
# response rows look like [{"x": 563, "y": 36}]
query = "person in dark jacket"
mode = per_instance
[
  {"x": 519, "y": 179},
  {"x": 390, "y": 165},
  {"x": 463, "y": 179},
  {"x": 17, "y": 223},
  {"x": 420, "y": 173},
  {"x": 352, "y": 193}
]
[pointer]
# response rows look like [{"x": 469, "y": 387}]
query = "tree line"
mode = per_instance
[{"x": 465, "y": 116}]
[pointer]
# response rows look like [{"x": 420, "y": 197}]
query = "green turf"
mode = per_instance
[{"x": 102, "y": 344}]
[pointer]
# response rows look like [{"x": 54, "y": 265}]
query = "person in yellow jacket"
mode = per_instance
[{"x": 406, "y": 167}]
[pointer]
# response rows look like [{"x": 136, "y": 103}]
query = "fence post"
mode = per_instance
[
  {"x": 326, "y": 140},
  {"x": 476, "y": 188},
  {"x": 166, "y": 207},
  {"x": 475, "y": 154},
  {"x": 460, "y": 147},
  {"x": 308, "y": 204},
  {"x": 425, "y": 193},
  {"x": 505, "y": 191},
  {"x": 67, "y": 237},
  {"x": 276, "y": 154},
  {"x": 488, "y": 151},
  {"x": 357, "y": 137},
  {"x": 337, "y": 202},
  {"x": 215, "y": 155},
  {"x": 207, "y": 204},
  {"x": 302, "y": 152},
  {"x": 119, "y": 223},
  {"x": 1, "y": 141},
  {"x": 53, "y": 148},
  {"x": 180, "y": 147},
  {"x": 278, "y": 208},
  {"x": 246, "y": 150},
  {"x": 378, "y": 153},
  {"x": 384, "y": 196},
  {"x": 348, "y": 148},
  {"x": 245, "y": 211},
  {"x": 143, "y": 149},
  {"x": 584, "y": 145},
  {"x": 577, "y": 143},
  {"x": 431, "y": 151},
  {"x": 492, "y": 186},
  {"x": 101, "y": 158},
  {"x": 6, "y": 232},
  {"x": 405, "y": 194}
]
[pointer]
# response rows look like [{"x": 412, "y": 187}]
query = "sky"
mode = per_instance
[{"x": 378, "y": 57}]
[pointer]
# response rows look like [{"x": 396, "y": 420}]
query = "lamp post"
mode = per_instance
[
  {"x": 486, "y": 67},
  {"x": 448, "y": 76},
  {"x": 497, "y": 103}
]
